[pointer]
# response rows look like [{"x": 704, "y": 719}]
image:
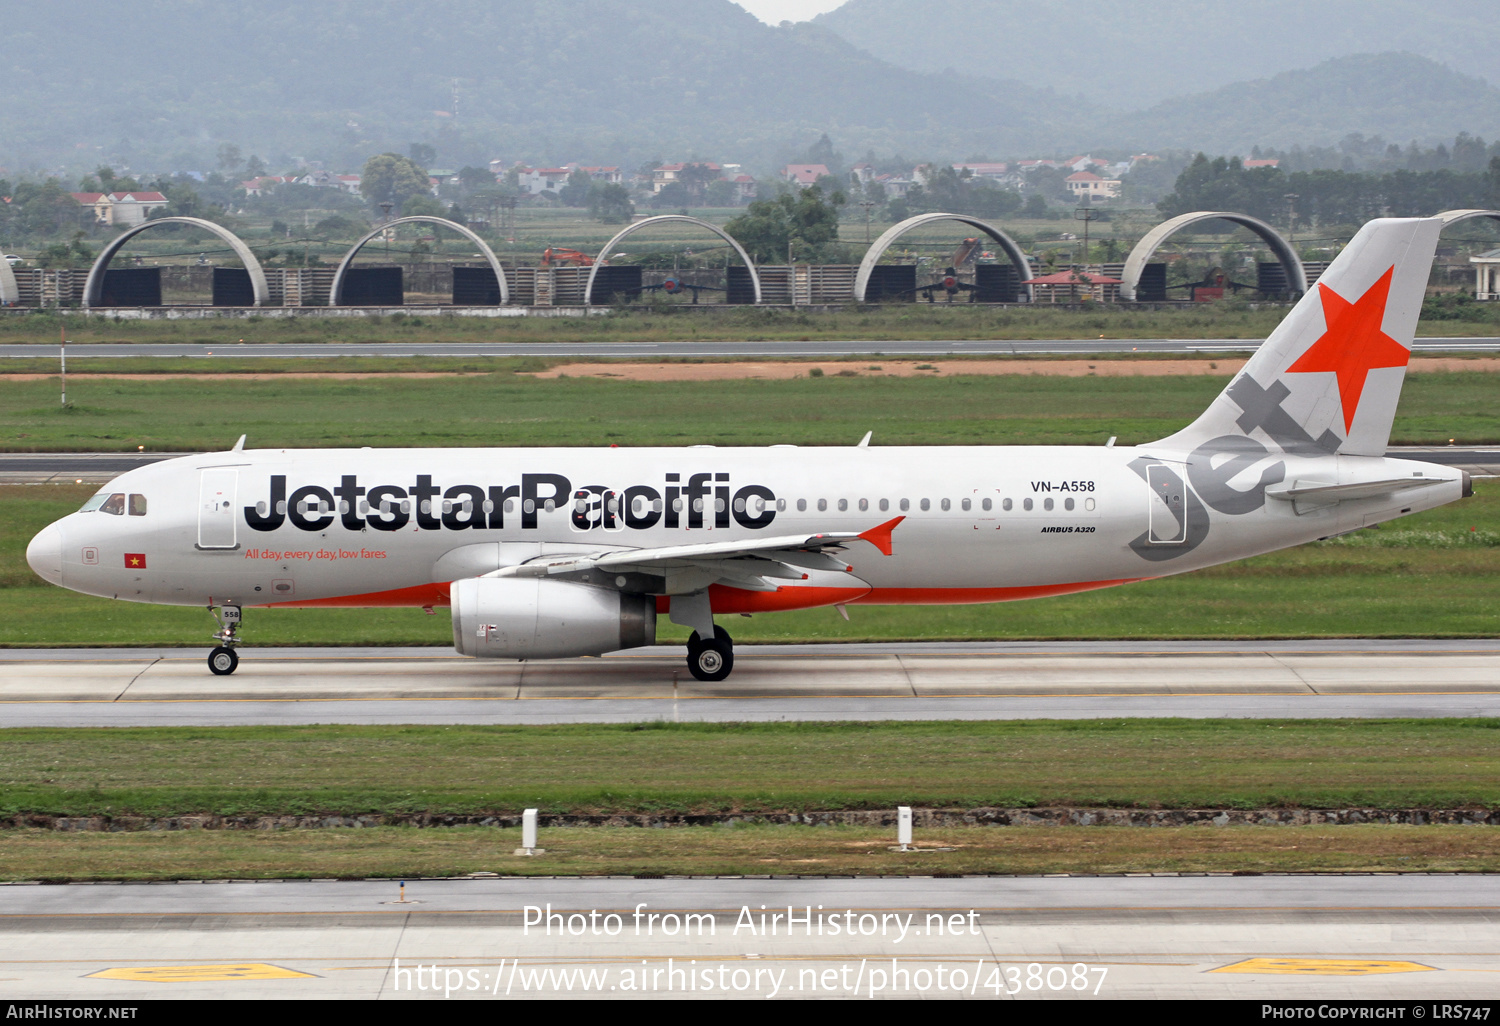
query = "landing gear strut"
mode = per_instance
[
  {"x": 711, "y": 660},
  {"x": 223, "y": 660}
]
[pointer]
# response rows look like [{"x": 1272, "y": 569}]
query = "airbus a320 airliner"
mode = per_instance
[{"x": 549, "y": 553}]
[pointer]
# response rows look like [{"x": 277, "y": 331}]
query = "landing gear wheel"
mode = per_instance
[
  {"x": 223, "y": 661},
  {"x": 713, "y": 659}
]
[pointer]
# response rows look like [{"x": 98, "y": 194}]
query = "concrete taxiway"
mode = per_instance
[
  {"x": 104, "y": 687},
  {"x": 1372, "y": 937}
]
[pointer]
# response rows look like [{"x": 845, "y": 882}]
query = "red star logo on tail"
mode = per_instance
[{"x": 1353, "y": 344}]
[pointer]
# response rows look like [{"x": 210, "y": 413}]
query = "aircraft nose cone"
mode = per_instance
[{"x": 45, "y": 554}]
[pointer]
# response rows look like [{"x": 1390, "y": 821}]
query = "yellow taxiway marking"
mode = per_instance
[
  {"x": 1323, "y": 967},
  {"x": 202, "y": 973}
]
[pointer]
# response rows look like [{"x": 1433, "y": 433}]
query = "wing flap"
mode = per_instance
[{"x": 752, "y": 564}]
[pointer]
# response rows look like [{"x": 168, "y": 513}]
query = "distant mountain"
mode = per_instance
[
  {"x": 1399, "y": 96},
  {"x": 1133, "y": 53},
  {"x": 163, "y": 83}
]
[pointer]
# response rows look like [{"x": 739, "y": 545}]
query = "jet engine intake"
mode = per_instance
[{"x": 520, "y": 618}]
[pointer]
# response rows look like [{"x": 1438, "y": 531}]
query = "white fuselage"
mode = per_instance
[{"x": 980, "y": 523}]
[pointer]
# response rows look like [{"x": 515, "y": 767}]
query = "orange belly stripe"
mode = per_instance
[{"x": 736, "y": 600}]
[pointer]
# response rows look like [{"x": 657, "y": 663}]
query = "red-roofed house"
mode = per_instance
[
  {"x": 121, "y": 209},
  {"x": 265, "y": 183},
  {"x": 1262, "y": 163},
  {"x": 1085, "y": 185},
  {"x": 803, "y": 175},
  {"x": 1083, "y": 163},
  {"x": 329, "y": 180},
  {"x": 744, "y": 188}
]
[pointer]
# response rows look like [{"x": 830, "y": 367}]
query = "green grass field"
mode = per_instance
[
  {"x": 507, "y": 408},
  {"x": 716, "y": 768},
  {"x": 721, "y": 768}
]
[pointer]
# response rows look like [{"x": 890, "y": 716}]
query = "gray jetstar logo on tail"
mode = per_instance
[
  {"x": 1263, "y": 410},
  {"x": 1218, "y": 461}
]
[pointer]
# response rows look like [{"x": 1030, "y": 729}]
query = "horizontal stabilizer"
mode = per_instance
[{"x": 1342, "y": 492}]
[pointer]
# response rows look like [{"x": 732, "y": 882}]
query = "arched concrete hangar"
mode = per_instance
[
  {"x": 877, "y": 250},
  {"x": 93, "y": 290},
  {"x": 671, "y": 219},
  {"x": 336, "y": 291},
  {"x": 1140, "y": 256}
]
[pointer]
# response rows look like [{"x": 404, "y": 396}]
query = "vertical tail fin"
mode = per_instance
[{"x": 1329, "y": 377}]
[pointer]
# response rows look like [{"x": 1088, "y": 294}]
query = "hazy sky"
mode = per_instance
[{"x": 773, "y": 12}]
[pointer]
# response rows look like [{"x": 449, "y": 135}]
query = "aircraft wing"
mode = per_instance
[{"x": 749, "y": 563}]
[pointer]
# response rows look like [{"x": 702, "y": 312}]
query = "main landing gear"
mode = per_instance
[
  {"x": 224, "y": 660},
  {"x": 711, "y": 660}
]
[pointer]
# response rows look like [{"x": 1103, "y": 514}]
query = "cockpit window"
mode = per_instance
[
  {"x": 95, "y": 501},
  {"x": 114, "y": 505},
  {"x": 137, "y": 505}
]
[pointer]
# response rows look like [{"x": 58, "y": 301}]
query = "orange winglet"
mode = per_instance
[{"x": 880, "y": 537}]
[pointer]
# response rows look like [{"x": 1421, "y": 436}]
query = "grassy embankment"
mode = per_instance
[
  {"x": 747, "y": 768},
  {"x": 403, "y": 853},
  {"x": 1429, "y": 575},
  {"x": 663, "y": 322}
]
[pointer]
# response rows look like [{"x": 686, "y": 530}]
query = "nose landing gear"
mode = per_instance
[
  {"x": 224, "y": 660},
  {"x": 711, "y": 660}
]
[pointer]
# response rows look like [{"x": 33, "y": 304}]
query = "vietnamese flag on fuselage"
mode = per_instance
[{"x": 135, "y": 561}]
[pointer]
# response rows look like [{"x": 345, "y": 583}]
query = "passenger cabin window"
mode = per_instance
[
  {"x": 114, "y": 505},
  {"x": 926, "y": 505},
  {"x": 1006, "y": 505},
  {"x": 843, "y": 505},
  {"x": 905, "y": 505},
  {"x": 967, "y": 505},
  {"x": 1026, "y": 505},
  {"x": 947, "y": 505},
  {"x": 137, "y": 505},
  {"x": 822, "y": 505},
  {"x": 987, "y": 505},
  {"x": 885, "y": 504},
  {"x": 801, "y": 505}
]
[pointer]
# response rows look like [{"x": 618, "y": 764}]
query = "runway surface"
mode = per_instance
[
  {"x": 1066, "y": 680},
  {"x": 100, "y": 467},
  {"x": 649, "y": 350},
  {"x": 1287, "y": 938}
]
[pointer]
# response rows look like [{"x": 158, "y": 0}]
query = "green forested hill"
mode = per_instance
[
  {"x": 161, "y": 85},
  {"x": 1134, "y": 53},
  {"x": 1396, "y": 95},
  {"x": 166, "y": 81}
]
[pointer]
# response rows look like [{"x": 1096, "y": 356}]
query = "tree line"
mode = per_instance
[{"x": 1328, "y": 197}]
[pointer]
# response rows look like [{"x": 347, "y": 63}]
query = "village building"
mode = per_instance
[
  {"x": 669, "y": 173},
  {"x": 803, "y": 175},
  {"x": 1089, "y": 187},
  {"x": 121, "y": 209},
  {"x": 329, "y": 180}
]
